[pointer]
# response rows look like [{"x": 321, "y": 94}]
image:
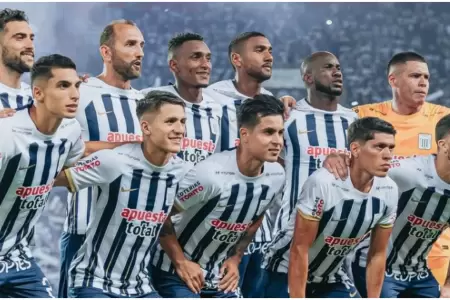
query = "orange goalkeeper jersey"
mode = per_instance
[{"x": 415, "y": 136}]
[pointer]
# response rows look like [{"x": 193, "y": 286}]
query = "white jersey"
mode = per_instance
[
  {"x": 15, "y": 98},
  {"x": 219, "y": 204},
  {"x": 226, "y": 94},
  {"x": 29, "y": 163},
  {"x": 310, "y": 135},
  {"x": 202, "y": 126},
  {"x": 106, "y": 113},
  {"x": 423, "y": 214},
  {"x": 346, "y": 216},
  {"x": 136, "y": 198}
]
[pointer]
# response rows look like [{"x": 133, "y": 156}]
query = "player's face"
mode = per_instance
[
  {"x": 17, "y": 48},
  {"x": 192, "y": 64},
  {"x": 128, "y": 51},
  {"x": 376, "y": 154},
  {"x": 265, "y": 140},
  {"x": 328, "y": 76},
  {"x": 167, "y": 127},
  {"x": 257, "y": 59},
  {"x": 412, "y": 83},
  {"x": 60, "y": 94}
]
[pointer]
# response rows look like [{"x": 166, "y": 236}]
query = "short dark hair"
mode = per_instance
[
  {"x": 180, "y": 38},
  {"x": 154, "y": 100},
  {"x": 10, "y": 15},
  {"x": 107, "y": 36},
  {"x": 44, "y": 65},
  {"x": 403, "y": 58},
  {"x": 442, "y": 128},
  {"x": 364, "y": 129},
  {"x": 237, "y": 42},
  {"x": 253, "y": 109}
]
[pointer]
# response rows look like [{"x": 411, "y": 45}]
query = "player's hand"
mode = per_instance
[
  {"x": 289, "y": 102},
  {"x": 445, "y": 291},
  {"x": 7, "y": 112},
  {"x": 84, "y": 77},
  {"x": 229, "y": 274},
  {"x": 191, "y": 273},
  {"x": 337, "y": 164}
]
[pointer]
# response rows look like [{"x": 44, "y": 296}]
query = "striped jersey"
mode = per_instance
[
  {"x": 105, "y": 113},
  {"x": 15, "y": 98},
  {"x": 218, "y": 204},
  {"x": 29, "y": 163},
  {"x": 202, "y": 126},
  {"x": 226, "y": 94},
  {"x": 423, "y": 214},
  {"x": 345, "y": 215},
  {"x": 135, "y": 198},
  {"x": 310, "y": 135}
]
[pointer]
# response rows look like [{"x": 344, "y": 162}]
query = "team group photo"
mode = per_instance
[{"x": 224, "y": 150}]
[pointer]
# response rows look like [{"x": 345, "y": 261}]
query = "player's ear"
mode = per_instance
[
  {"x": 243, "y": 133},
  {"x": 236, "y": 59},
  {"x": 392, "y": 80},
  {"x": 38, "y": 92},
  {"x": 173, "y": 66},
  {"x": 308, "y": 78},
  {"x": 443, "y": 146},
  {"x": 105, "y": 52},
  {"x": 145, "y": 128},
  {"x": 355, "y": 149}
]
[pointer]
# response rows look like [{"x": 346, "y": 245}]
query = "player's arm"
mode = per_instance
[
  {"x": 76, "y": 150},
  {"x": 376, "y": 256},
  {"x": 99, "y": 168},
  {"x": 309, "y": 212},
  {"x": 195, "y": 188}
]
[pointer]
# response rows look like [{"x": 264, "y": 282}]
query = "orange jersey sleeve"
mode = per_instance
[{"x": 415, "y": 133}]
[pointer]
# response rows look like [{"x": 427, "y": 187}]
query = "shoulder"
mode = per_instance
[
  {"x": 348, "y": 112},
  {"x": 379, "y": 109},
  {"x": 321, "y": 178},
  {"x": 166, "y": 88},
  {"x": 436, "y": 111},
  {"x": 70, "y": 128}
]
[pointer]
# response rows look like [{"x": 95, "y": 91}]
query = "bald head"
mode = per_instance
[{"x": 311, "y": 61}]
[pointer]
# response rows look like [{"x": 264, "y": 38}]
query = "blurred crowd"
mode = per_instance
[{"x": 362, "y": 35}]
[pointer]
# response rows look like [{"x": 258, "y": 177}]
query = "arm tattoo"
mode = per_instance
[
  {"x": 242, "y": 244},
  {"x": 167, "y": 228}
]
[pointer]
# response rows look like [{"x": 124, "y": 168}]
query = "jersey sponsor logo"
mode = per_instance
[
  {"x": 324, "y": 151},
  {"x": 424, "y": 141},
  {"x": 141, "y": 222},
  {"x": 14, "y": 266},
  {"x": 25, "y": 192},
  {"x": 317, "y": 210},
  {"x": 199, "y": 146},
  {"x": 425, "y": 229},
  {"x": 410, "y": 276},
  {"x": 85, "y": 165},
  {"x": 190, "y": 192},
  {"x": 228, "y": 232},
  {"x": 340, "y": 246},
  {"x": 115, "y": 137}
]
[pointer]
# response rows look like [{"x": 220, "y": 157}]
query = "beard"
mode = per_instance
[
  {"x": 258, "y": 75},
  {"x": 14, "y": 62},
  {"x": 326, "y": 89},
  {"x": 124, "y": 69}
]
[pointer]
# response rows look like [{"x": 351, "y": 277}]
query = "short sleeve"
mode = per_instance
[
  {"x": 196, "y": 187},
  {"x": 76, "y": 151},
  {"x": 98, "y": 168},
  {"x": 6, "y": 148},
  {"x": 311, "y": 202},
  {"x": 402, "y": 172},
  {"x": 390, "y": 212}
]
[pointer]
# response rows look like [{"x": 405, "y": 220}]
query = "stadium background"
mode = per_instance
[{"x": 362, "y": 35}]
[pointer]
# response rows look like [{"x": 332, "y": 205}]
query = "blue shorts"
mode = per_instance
[
  {"x": 81, "y": 292},
  {"x": 23, "y": 279},
  {"x": 421, "y": 285},
  {"x": 250, "y": 271},
  {"x": 172, "y": 286},
  {"x": 69, "y": 245},
  {"x": 274, "y": 285},
  {"x": 332, "y": 290}
]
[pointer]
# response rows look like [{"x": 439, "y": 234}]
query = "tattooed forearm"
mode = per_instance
[
  {"x": 167, "y": 228},
  {"x": 242, "y": 244}
]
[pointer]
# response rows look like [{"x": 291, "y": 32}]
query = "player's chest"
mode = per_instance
[
  {"x": 414, "y": 140},
  {"x": 111, "y": 120}
]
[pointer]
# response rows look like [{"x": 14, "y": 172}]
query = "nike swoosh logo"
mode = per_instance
[
  {"x": 353, "y": 294},
  {"x": 304, "y": 131},
  {"x": 127, "y": 190},
  {"x": 338, "y": 220},
  {"x": 225, "y": 205},
  {"x": 417, "y": 200},
  {"x": 104, "y": 113},
  {"x": 26, "y": 168}
]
